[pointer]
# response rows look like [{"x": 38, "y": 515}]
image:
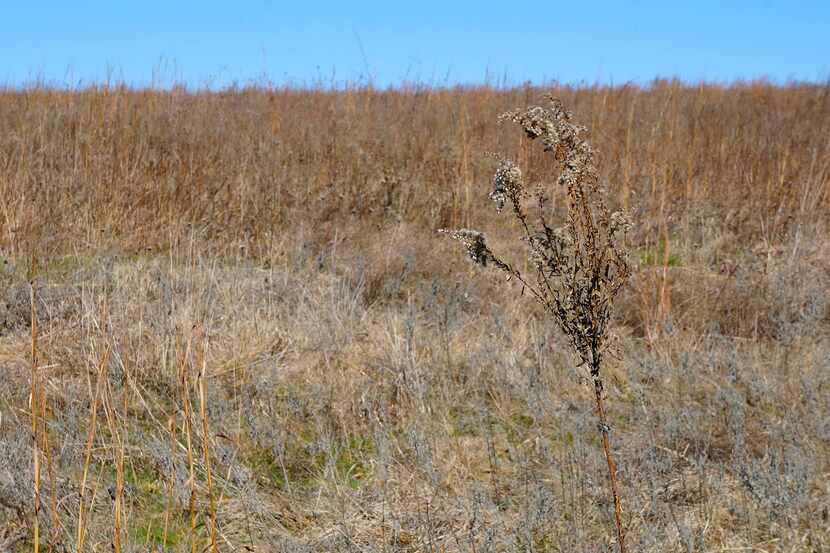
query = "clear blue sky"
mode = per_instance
[{"x": 307, "y": 41}]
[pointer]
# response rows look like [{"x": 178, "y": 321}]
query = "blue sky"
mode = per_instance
[{"x": 311, "y": 42}]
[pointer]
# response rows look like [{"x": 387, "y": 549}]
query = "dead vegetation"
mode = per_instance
[{"x": 247, "y": 290}]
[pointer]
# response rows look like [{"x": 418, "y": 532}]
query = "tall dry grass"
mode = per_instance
[
  {"x": 79, "y": 169},
  {"x": 358, "y": 393}
]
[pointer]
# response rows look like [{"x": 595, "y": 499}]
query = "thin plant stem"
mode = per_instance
[
  {"x": 605, "y": 429},
  {"x": 35, "y": 411},
  {"x": 82, "y": 522},
  {"x": 206, "y": 445}
]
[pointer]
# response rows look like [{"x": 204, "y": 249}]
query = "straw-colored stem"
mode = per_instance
[
  {"x": 185, "y": 397},
  {"x": 206, "y": 445},
  {"x": 82, "y": 522},
  {"x": 118, "y": 444}
]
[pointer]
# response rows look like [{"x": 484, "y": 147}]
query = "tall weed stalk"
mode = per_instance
[{"x": 578, "y": 266}]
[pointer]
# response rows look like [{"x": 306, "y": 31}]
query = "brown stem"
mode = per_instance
[
  {"x": 612, "y": 468},
  {"x": 35, "y": 409}
]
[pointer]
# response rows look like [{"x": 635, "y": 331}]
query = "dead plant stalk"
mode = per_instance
[{"x": 579, "y": 266}]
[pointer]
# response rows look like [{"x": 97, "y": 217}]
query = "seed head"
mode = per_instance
[
  {"x": 473, "y": 242},
  {"x": 507, "y": 184},
  {"x": 620, "y": 222}
]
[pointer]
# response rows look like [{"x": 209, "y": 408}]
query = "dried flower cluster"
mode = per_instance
[
  {"x": 473, "y": 241},
  {"x": 507, "y": 185},
  {"x": 579, "y": 265}
]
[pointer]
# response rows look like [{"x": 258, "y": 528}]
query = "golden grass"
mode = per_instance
[
  {"x": 359, "y": 394},
  {"x": 139, "y": 168}
]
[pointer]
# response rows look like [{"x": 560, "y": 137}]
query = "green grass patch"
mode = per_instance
[
  {"x": 152, "y": 535},
  {"x": 350, "y": 463},
  {"x": 463, "y": 422}
]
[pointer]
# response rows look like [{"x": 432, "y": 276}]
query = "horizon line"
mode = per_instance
[{"x": 362, "y": 83}]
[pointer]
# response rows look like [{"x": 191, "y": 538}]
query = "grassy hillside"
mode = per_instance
[{"x": 247, "y": 330}]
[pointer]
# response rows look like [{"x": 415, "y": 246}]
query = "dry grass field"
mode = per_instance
[{"x": 228, "y": 323}]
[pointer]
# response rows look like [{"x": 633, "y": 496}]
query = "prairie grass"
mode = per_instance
[{"x": 248, "y": 335}]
